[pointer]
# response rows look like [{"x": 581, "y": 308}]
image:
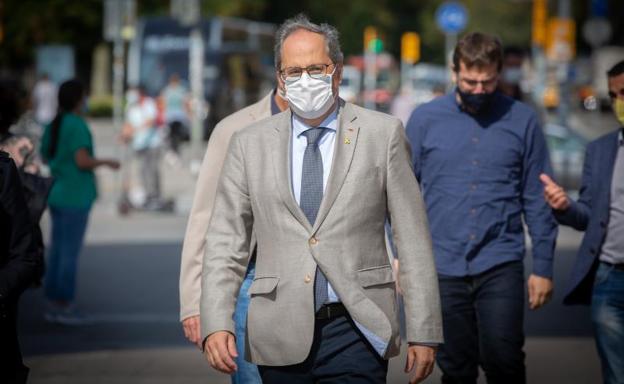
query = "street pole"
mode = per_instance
[
  {"x": 188, "y": 13},
  {"x": 563, "y": 71},
  {"x": 118, "y": 82},
  {"x": 196, "y": 64},
  {"x": 538, "y": 39},
  {"x": 370, "y": 78},
  {"x": 118, "y": 26},
  {"x": 450, "y": 41}
]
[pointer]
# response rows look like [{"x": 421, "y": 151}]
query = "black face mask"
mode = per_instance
[{"x": 475, "y": 102}]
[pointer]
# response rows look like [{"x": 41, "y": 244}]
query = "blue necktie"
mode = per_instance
[{"x": 310, "y": 199}]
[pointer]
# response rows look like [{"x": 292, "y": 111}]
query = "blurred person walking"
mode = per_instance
[
  {"x": 175, "y": 99},
  {"x": 322, "y": 303},
  {"x": 511, "y": 73},
  {"x": 21, "y": 244},
  {"x": 598, "y": 274},
  {"x": 19, "y": 267},
  {"x": 478, "y": 155},
  {"x": 44, "y": 100},
  {"x": 195, "y": 238},
  {"x": 141, "y": 130},
  {"x": 35, "y": 188},
  {"x": 67, "y": 147}
]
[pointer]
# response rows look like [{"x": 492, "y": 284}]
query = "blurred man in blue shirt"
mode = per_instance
[{"x": 478, "y": 155}]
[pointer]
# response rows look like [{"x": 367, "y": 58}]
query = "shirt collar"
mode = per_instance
[{"x": 330, "y": 122}]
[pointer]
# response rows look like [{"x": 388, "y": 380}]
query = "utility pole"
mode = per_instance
[
  {"x": 119, "y": 21},
  {"x": 452, "y": 18},
  {"x": 410, "y": 55},
  {"x": 371, "y": 45},
  {"x": 564, "y": 33},
  {"x": 188, "y": 12},
  {"x": 538, "y": 39}
]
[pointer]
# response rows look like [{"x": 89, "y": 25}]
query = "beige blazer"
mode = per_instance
[
  {"x": 205, "y": 191},
  {"x": 371, "y": 176}
]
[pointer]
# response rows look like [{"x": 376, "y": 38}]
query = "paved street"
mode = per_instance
[{"x": 128, "y": 278}]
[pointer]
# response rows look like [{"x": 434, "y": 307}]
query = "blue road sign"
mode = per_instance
[{"x": 451, "y": 17}]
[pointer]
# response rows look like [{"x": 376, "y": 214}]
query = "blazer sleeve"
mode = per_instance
[
  {"x": 227, "y": 244},
  {"x": 197, "y": 226},
  {"x": 577, "y": 214},
  {"x": 417, "y": 273}
]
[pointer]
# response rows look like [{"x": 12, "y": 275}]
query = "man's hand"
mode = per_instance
[
  {"x": 192, "y": 330},
  {"x": 554, "y": 195},
  {"x": 540, "y": 290},
  {"x": 420, "y": 359},
  {"x": 220, "y": 351}
]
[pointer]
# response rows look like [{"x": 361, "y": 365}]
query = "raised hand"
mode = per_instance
[{"x": 554, "y": 195}]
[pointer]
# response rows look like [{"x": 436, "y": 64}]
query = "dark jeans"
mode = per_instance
[
  {"x": 607, "y": 312},
  {"x": 483, "y": 325},
  {"x": 339, "y": 354},
  {"x": 68, "y": 229}
]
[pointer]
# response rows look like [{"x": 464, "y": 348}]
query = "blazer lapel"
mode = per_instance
[
  {"x": 281, "y": 165},
  {"x": 344, "y": 147},
  {"x": 610, "y": 154}
]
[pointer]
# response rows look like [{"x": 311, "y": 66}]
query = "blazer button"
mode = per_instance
[
  {"x": 313, "y": 241},
  {"x": 603, "y": 224},
  {"x": 307, "y": 279},
  {"x": 592, "y": 251}
]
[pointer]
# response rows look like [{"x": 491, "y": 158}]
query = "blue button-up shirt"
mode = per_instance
[{"x": 480, "y": 177}]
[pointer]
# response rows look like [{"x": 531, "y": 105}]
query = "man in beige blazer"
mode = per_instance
[
  {"x": 308, "y": 244},
  {"x": 195, "y": 237}
]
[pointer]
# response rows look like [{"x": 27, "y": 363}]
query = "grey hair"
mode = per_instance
[{"x": 301, "y": 21}]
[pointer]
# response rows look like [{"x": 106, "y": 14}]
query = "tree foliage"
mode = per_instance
[{"x": 28, "y": 23}]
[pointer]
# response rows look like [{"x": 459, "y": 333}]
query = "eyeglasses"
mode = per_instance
[
  {"x": 484, "y": 83},
  {"x": 613, "y": 95},
  {"x": 315, "y": 71}
]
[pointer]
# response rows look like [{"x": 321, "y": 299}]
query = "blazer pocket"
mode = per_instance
[
  {"x": 263, "y": 285},
  {"x": 370, "y": 174},
  {"x": 369, "y": 277}
]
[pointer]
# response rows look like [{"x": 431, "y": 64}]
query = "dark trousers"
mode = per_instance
[
  {"x": 483, "y": 325},
  {"x": 339, "y": 354},
  {"x": 12, "y": 370},
  {"x": 607, "y": 313}
]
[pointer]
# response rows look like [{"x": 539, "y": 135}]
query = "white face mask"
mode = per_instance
[{"x": 310, "y": 98}]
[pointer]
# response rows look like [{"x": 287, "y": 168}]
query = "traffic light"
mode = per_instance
[
  {"x": 372, "y": 41},
  {"x": 540, "y": 16},
  {"x": 410, "y": 47}
]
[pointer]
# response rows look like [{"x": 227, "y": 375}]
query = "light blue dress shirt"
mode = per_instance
[{"x": 326, "y": 146}]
